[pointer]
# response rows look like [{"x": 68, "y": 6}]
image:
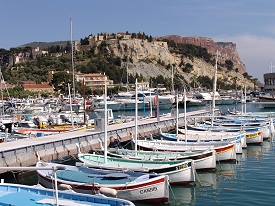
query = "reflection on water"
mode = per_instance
[
  {"x": 226, "y": 170},
  {"x": 223, "y": 185},
  {"x": 207, "y": 179},
  {"x": 267, "y": 146},
  {"x": 254, "y": 151},
  {"x": 241, "y": 157},
  {"x": 249, "y": 181},
  {"x": 182, "y": 195}
]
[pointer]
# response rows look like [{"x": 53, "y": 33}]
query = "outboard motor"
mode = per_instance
[
  {"x": 65, "y": 119},
  {"x": 50, "y": 120},
  {"x": 36, "y": 121}
]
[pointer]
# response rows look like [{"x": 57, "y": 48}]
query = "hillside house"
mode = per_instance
[
  {"x": 93, "y": 81},
  {"x": 44, "y": 87},
  {"x": 97, "y": 80}
]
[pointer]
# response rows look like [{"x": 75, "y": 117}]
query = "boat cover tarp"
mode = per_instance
[{"x": 81, "y": 177}]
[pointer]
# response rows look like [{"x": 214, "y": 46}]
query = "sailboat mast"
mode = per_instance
[
  {"x": 244, "y": 99},
  {"x": 151, "y": 105},
  {"x": 136, "y": 116},
  {"x": 2, "y": 98},
  {"x": 185, "y": 119},
  {"x": 173, "y": 89},
  {"x": 71, "y": 109},
  {"x": 105, "y": 123},
  {"x": 127, "y": 81},
  {"x": 214, "y": 88},
  {"x": 177, "y": 116},
  {"x": 71, "y": 28}
]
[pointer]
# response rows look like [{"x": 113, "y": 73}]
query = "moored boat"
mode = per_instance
[
  {"x": 267, "y": 101},
  {"x": 254, "y": 135},
  {"x": 18, "y": 195},
  {"x": 180, "y": 172},
  {"x": 225, "y": 151},
  {"x": 203, "y": 160},
  {"x": 195, "y": 136},
  {"x": 133, "y": 186}
]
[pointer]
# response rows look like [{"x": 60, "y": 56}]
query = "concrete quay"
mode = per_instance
[{"x": 63, "y": 145}]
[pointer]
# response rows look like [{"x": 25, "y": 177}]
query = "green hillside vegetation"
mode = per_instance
[
  {"x": 98, "y": 60},
  {"x": 45, "y": 45}
]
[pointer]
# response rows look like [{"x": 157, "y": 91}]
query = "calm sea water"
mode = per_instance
[{"x": 249, "y": 181}]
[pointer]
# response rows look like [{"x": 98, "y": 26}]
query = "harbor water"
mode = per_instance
[{"x": 249, "y": 181}]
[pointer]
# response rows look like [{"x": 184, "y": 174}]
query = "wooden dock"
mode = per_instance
[{"x": 59, "y": 146}]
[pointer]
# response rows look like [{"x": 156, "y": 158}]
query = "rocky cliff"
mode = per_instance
[
  {"x": 227, "y": 50},
  {"x": 147, "y": 56}
]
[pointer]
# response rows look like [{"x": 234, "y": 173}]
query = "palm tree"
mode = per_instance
[
  {"x": 193, "y": 80},
  {"x": 235, "y": 82},
  {"x": 254, "y": 81}
]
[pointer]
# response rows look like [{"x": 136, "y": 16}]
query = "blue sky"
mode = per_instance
[{"x": 248, "y": 23}]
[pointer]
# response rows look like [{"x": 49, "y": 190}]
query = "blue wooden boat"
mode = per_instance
[{"x": 22, "y": 195}]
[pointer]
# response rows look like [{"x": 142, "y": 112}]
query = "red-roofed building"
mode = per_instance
[
  {"x": 26, "y": 82},
  {"x": 97, "y": 80},
  {"x": 44, "y": 87},
  {"x": 93, "y": 81}
]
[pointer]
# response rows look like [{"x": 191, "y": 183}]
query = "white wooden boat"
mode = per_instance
[
  {"x": 133, "y": 186},
  {"x": 180, "y": 172},
  {"x": 238, "y": 139},
  {"x": 225, "y": 151},
  {"x": 254, "y": 135},
  {"x": 203, "y": 160}
]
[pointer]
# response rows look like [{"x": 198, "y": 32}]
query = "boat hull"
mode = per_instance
[
  {"x": 267, "y": 102},
  {"x": 238, "y": 138},
  {"x": 206, "y": 163},
  {"x": 155, "y": 189},
  {"x": 255, "y": 138},
  {"x": 16, "y": 194},
  {"x": 224, "y": 151},
  {"x": 205, "y": 160},
  {"x": 180, "y": 172}
]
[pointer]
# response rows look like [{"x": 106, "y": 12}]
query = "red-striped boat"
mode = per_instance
[
  {"x": 134, "y": 186},
  {"x": 225, "y": 151}
]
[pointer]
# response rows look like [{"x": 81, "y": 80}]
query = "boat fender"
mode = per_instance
[
  {"x": 37, "y": 156},
  {"x": 65, "y": 186},
  {"x": 108, "y": 191}
]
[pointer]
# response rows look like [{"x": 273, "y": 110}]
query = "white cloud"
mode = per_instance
[{"x": 256, "y": 52}]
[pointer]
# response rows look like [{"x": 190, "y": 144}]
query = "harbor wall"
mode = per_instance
[{"x": 52, "y": 147}]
